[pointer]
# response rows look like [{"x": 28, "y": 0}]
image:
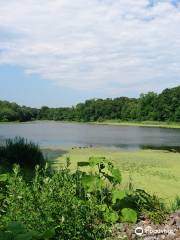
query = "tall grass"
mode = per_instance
[
  {"x": 22, "y": 152},
  {"x": 175, "y": 204}
]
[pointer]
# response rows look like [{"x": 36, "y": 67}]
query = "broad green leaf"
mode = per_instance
[
  {"x": 110, "y": 216},
  {"x": 117, "y": 194},
  {"x": 128, "y": 215},
  {"x": 116, "y": 175},
  {"x": 92, "y": 183},
  {"x": 93, "y": 161}
]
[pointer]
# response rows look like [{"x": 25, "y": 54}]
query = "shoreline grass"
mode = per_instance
[
  {"x": 9, "y": 122},
  {"x": 150, "y": 124}
]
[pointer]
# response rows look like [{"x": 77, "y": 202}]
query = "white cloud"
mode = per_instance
[{"x": 93, "y": 44}]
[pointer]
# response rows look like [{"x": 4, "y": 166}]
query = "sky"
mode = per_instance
[{"x": 61, "y": 52}]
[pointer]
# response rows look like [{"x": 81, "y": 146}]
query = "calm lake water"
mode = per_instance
[{"x": 60, "y": 134}]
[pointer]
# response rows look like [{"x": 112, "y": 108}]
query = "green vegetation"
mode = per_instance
[
  {"x": 71, "y": 205},
  {"x": 175, "y": 205},
  {"x": 156, "y": 171},
  {"x": 17, "y": 231},
  {"x": 140, "y": 123},
  {"x": 164, "y": 107},
  {"x": 79, "y": 201},
  {"x": 10, "y": 112},
  {"x": 22, "y": 152}
]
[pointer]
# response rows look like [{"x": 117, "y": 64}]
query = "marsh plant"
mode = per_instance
[
  {"x": 22, "y": 152},
  {"x": 175, "y": 205}
]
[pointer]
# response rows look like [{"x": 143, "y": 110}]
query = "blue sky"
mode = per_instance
[
  {"x": 61, "y": 52},
  {"x": 31, "y": 90}
]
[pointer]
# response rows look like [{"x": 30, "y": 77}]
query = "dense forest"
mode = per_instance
[{"x": 151, "y": 106}]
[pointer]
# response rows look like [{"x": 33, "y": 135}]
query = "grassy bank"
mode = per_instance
[
  {"x": 113, "y": 123},
  {"x": 156, "y": 171},
  {"x": 140, "y": 124},
  {"x": 9, "y": 122}
]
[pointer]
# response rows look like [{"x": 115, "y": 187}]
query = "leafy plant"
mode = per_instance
[
  {"x": 92, "y": 183},
  {"x": 117, "y": 195},
  {"x": 128, "y": 215},
  {"x": 110, "y": 215},
  {"x": 146, "y": 205},
  {"x": 51, "y": 201},
  {"x": 71, "y": 205},
  {"x": 107, "y": 175},
  {"x": 3, "y": 190}
]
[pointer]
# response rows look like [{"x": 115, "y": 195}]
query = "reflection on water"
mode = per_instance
[{"x": 59, "y": 134}]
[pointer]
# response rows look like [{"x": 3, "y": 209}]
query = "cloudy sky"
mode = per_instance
[{"x": 60, "y": 52}]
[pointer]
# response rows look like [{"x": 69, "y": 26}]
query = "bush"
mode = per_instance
[
  {"x": 22, "y": 152},
  {"x": 148, "y": 206},
  {"x": 51, "y": 203},
  {"x": 78, "y": 205}
]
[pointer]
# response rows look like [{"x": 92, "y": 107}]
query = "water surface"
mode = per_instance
[{"x": 59, "y": 134}]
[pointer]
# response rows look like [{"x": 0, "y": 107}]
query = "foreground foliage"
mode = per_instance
[{"x": 71, "y": 205}]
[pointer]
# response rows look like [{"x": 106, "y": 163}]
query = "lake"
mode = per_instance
[{"x": 60, "y": 134}]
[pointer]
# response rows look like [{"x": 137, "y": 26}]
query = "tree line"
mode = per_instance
[{"x": 148, "y": 107}]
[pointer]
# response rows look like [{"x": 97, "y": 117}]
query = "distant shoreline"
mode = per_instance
[
  {"x": 140, "y": 124},
  {"x": 152, "y": 124}
]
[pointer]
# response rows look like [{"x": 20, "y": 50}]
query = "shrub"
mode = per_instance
[
  {"x": 22, "y": 152},
  {"x": 130, "y": 204},
  {"x": 147, "y": 206},
  {"x": 78, "y": 205},
  {"x": 51, "y": 202}
]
